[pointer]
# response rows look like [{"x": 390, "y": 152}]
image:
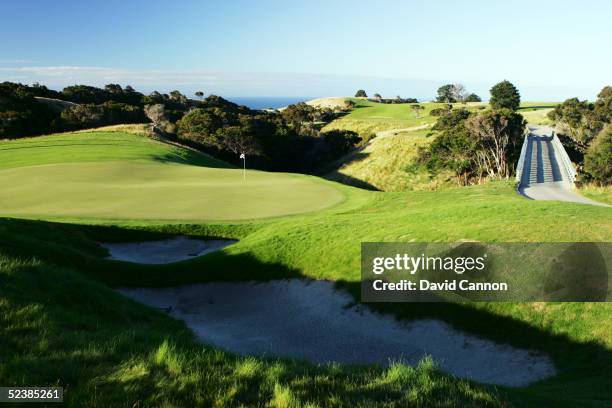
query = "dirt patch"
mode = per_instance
[
  {"x": 163, "y": 252},
  {"x": 311, "y": 320}
]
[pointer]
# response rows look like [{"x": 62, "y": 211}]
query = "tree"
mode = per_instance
[
  {"x": 598, "y": 159},
  {"x": 199, "y": 94},
  {"x": 459, "y": 92},
  {"x": 475, "y": 146},
  {"x": 472, "y": 98},
  {"x": 201, "y": 126},
  {"x": 178, "y": 97},
  {"x": 361, "y": 94},
  {"x": 505, "y": 95},
  {"x": 417, "y": 109},
  {"x": 578, "y": 120},
  {"x": 603, "y": 105},
  {"x": 239, "y": 142},
  {"x": 499, "y": 136},
  {"x": 446, "y": 94},
  {"x": 377, "y": 96},
  {"x": 155, "y": 113}
]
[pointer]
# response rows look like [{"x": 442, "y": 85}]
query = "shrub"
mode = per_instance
[{"x": 598, "y": 160}]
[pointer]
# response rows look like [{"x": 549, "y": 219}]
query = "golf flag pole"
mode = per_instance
[{"x": 243, "y": 157}]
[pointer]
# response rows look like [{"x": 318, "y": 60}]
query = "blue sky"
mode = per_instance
[{"x": 550, "y": 49}]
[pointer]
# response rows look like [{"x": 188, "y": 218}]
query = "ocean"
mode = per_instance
[{"x": 263, "y": 102}]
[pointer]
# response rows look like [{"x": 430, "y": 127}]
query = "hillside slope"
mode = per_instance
[{"x": 387, "y": 163}]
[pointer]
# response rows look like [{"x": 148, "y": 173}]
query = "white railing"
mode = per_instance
[
  {"x": 561, "y": 153},
  {"x": 521, "y": 161}
]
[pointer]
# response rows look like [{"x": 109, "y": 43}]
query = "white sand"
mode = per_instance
[
  {"x": 162, "y": 252},
  {"x": 310, "y": 320}
]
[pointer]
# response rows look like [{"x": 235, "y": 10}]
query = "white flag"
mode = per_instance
[{"x": 242, "y": 156}]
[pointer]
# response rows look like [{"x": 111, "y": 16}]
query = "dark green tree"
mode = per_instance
[
  {"x": 504, "y": 95},
  {"x": 361, "y": 94},
  {"x": 473, "y": 98},
  {"x": 446, "y": 94}
]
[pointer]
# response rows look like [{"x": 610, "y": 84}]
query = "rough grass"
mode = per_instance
[
  {"x": 329, "y": 102},
  {"x": 598, "y": 193},
  {"x": 388, "y": 163},
  {"x": 142, "y": 129},
  {"x": 536, "y": 112}
]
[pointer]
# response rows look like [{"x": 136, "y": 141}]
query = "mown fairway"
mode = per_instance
[
  {"x": 109, "y": 351},
  {"x": 153, "y": 181},
  {"x": 371, "y": 117}
]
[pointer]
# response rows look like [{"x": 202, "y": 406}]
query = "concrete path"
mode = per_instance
[{"x": 544, "y": 174}]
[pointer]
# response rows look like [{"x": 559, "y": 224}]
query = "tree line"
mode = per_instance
[{"x": 289, "y": 140}]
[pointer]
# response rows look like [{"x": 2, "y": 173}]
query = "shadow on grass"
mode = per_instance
[
  {"x": 332, "y": 172},
  {"x": 537, "y": 107},
  {"x": 585, "y": 372}
]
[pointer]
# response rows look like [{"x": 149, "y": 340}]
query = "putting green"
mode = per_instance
[{"x": 158, "y": 191}]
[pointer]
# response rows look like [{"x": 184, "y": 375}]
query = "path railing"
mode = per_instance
[
  {"x": 561, "y": 153},
  {"x": 521, "y": 161}
]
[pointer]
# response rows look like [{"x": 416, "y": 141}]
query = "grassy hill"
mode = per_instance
[
  {"x": 387, "y": 161},
  {"x": 60, "y": 323}
]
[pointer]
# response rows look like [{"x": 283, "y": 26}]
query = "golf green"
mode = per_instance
[{"x": 158, "y": 191}]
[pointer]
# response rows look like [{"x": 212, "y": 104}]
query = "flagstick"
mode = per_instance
[{"x": 243, "y": 157}]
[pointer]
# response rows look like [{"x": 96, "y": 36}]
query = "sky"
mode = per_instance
[{"x": 551, "y": 50}]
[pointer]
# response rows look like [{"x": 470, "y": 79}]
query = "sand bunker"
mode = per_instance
[
  {"x": 162, "y": 252},
  {"x": 311, "y": 320}
]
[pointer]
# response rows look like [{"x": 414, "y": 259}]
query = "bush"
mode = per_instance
[
  {"x": 475, "y": 146},
  {"x": 451, "y": 119},
  {"x": 441, "y": 111},
  {"x": 598, "y": 160}
]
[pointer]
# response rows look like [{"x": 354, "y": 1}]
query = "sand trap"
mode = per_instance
[
  {"x": 311, "y": 320},
  {"x": 162, "y": 252}
]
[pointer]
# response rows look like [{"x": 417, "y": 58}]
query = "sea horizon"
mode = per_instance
[{"x": 268, "y": 102}]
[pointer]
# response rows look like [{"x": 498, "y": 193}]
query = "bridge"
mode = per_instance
[{"x": 544, "y": 170}]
